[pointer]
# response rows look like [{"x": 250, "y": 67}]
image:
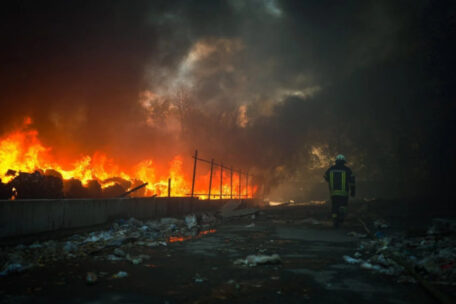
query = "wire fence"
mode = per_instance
[{"x": 223, "y": 168}]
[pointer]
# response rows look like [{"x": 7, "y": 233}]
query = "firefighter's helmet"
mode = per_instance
[{"x": 340, "y": 157}]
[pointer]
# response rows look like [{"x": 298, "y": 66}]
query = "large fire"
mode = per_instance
[{"x": 22, "y": 151}]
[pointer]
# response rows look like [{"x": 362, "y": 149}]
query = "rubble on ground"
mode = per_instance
[
  {"x": 120, "y": 275},
  {"x": 113, "y": 244},
  {"x": 357, "y": 234},
  {"x": 254, "y": 260},
  {"x": 198, "y": 278},
  {"x": 91, "y": 278},
  {"x": 118, "y": 241},
  {"x": 431, "y": 255}
]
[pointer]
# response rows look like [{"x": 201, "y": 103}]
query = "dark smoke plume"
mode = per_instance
[{"x": 276, "y": 86}]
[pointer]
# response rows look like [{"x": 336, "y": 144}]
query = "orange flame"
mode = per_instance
[{"x": 22, "y": 151}]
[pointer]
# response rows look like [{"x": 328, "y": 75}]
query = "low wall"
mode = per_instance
[{"x": 24, "y": 217}]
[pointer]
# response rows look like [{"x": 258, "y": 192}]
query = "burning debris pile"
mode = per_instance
[
  {"x": 29, "y": 170},
  {"x": 51, "y": 185},
  {"x": 431, "y": 256},
  {"x": 113, "y": 244}
]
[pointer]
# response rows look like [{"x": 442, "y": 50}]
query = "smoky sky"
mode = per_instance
[{"x": 279, "y": 86}]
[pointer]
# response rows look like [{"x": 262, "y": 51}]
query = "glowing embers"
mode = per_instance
[{"x": 173, "y": 239}]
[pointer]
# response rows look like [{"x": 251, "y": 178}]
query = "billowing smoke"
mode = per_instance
[{"x": 279, "y": 87}]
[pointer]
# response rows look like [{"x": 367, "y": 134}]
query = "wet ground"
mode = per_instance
[{"x": 202, "y": 270}]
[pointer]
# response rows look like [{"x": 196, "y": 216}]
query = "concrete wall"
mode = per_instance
[{"x": 24, "y": 217}]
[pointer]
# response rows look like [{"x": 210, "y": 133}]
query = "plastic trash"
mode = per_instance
[
  {"x": 380, "y": 224},
  {"x": 70, "y": 247},
  {"x": 378, "y": 268},
  {"x": 120, "y": 235},
  {"x": 432, "y": 256},
  {"x": 198, "y": 278},
  {"x": 99, "y": 236},
  {"x": 91, "y": 278},
  {"x": 120, "y": 274},
  {"x": 442, "y": 226},
  {"x": 135, "y": 222},
  {"x": 169, "y": 220},
  {"x": 254, "y": 260},
  {"x": 119, "y": 252},
  {"x": 357, "y": 235},
  {"x": 113, "y": 258},
  {"x": 11, "y": 268},
  {"x": 191, "y": 221},
  {"x": 351, "y": 260},
  {"x": 250, "y": 225}
]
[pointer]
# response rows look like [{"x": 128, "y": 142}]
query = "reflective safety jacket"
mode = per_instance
[{"x": 341, "y": 180}]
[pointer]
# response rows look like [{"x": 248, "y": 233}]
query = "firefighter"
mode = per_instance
[{"x": 341, "y": 181}]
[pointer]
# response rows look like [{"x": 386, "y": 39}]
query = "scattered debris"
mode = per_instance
[
  {"x": 431, "y": 257},
  {"x": 91, "y": 278},
  {"x": 351, "y": 260},
  {"x": 198, "y": 278},
  {"x": 120, "y": 274},
  {"x": 380, "y": 224},
  {"x": 113, "y": 258},
  {"x": 442, "y": 226},
  {"x": 112, "y": 244},
  {"x": 138, "y": 259},
  {"x": 191, "y": 221},
  {"x": 11, "y": 268},
  {"x": 254, "y": 260},
  {"x": 119, "y": 252},
  {"x": 357, "y": 235}
]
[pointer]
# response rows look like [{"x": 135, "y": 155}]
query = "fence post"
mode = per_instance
[
  {"x": 210, "y": 179},
  {"x": 221, "y": 180},
  {"x": 231, "y": 182},
  {"x": 194, "y": 172},
  {"x": 169, "y": 187},
  {"x": 240, "y": 183},
  {"x": 247, "y": 184}
]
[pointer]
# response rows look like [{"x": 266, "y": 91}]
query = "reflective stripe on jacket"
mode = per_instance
[
  {"x": 338, "y": 183},
  {"x": 340, "y": 180}
]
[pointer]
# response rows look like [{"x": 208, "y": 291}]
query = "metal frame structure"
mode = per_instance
[{"x": 213, "y": 164}]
